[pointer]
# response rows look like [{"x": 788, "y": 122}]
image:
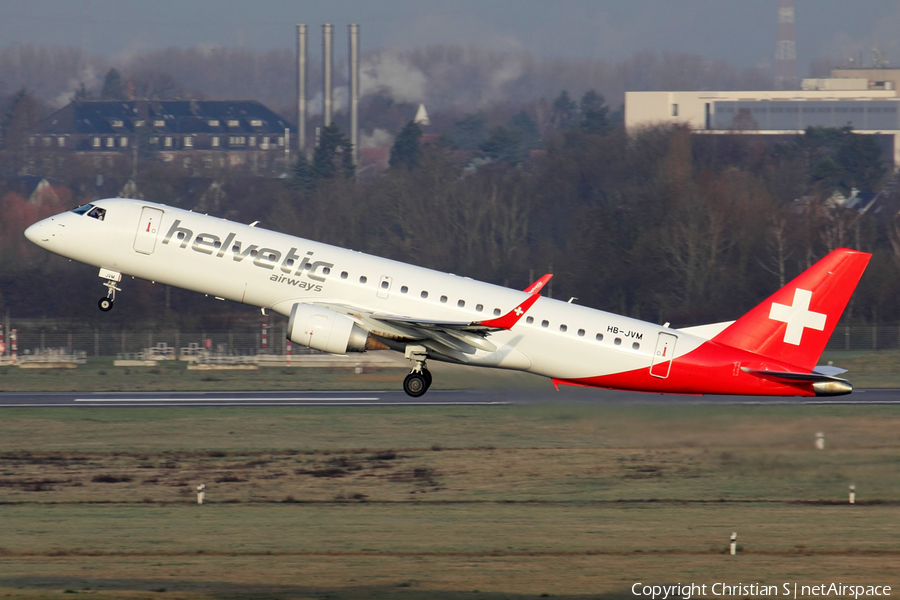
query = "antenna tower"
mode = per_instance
[{"x": 786, "y": 47}]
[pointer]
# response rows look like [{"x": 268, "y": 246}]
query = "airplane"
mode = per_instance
[{"x": 339, "y": 301}]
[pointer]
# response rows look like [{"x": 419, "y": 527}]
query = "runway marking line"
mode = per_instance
[{"x": 124, "y": 400}]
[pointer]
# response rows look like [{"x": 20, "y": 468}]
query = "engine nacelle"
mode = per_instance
[{"x": 326, "y": 330}]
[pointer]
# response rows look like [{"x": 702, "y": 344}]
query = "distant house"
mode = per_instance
[{"x": 195, "y": 134}]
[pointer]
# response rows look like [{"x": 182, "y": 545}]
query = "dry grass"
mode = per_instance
[
  {"x": 99, "y": 374},
  {"x": 515, "y": 502}
]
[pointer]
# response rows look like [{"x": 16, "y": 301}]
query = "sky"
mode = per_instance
[{"x": 741, "y": 32}]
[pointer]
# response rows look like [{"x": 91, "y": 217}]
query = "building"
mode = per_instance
[
  {"x": 774, "y": 113},
  {"x": 195, "y": 134}
]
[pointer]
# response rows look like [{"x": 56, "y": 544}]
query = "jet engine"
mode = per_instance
[{"x": 326, "y": 330}]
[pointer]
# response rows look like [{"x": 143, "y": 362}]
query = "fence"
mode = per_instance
[
  {"x": 867, "y": 337},
  {"x": 37, "y": 340}
]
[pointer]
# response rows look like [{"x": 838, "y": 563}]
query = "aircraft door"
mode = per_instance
[
  {"x": 384, "y": 286},
  {"x": 145, "y": 238},
  {"x": 662, "y": 356}
]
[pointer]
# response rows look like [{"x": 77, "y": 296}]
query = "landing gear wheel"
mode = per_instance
[
  {"x": 415, "y": 384},
  {"x": 105, "y": 304},
  {"x": 427, "y": 374}
]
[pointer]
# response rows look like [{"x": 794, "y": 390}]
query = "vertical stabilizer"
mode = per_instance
[{"x": 796, "y": 322}]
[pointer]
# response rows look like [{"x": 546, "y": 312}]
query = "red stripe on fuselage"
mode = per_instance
[{"x": 710, "y": 369}]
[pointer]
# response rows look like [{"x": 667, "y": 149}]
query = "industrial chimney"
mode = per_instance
[
  {"x": 327, "y": 49},
  {"x": 354, "y": 90},
  {"x": 301, "y": 89}
]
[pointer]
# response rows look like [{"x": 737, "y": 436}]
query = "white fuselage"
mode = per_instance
[{"x": 274, "y": 271}]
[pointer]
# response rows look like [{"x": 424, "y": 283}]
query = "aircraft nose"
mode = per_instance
[{"x": 38, "y": 233}]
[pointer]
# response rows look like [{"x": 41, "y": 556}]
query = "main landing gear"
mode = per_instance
[
  {"x": 417, "y": 382},
  {"x": 111, "y": 279},
  {"x": 419, "y": 379}
]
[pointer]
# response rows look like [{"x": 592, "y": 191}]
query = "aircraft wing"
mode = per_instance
[{"x": 454, "y": 339}]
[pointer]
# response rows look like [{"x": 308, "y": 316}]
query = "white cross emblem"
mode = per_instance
[
  {"x": 797, "y": 316},
  {"x": 518, "y": 311}
]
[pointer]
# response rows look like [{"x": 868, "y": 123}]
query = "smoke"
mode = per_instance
[
  {"x": 393, "y": 74},
  {"x": 379, "y": 137},
  {"x": 88, "y": 76},
  {"x": 340, "y": 100}
]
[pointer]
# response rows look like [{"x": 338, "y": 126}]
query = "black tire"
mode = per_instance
[
  {"x": 428, "y": 378},
  {"x": 415, "y": 385},
  {"x": 105, "y": 304}
]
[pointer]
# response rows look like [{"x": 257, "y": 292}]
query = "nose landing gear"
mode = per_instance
[
  {"x": 419, "y": 379},
  {"x": 112, "y": 278}
]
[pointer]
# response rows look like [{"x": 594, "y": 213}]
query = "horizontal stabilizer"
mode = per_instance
[
  {"x": 823, "y": 385},
  {"x": 829, "y": 370}
]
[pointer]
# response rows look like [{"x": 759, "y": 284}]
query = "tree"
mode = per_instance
[
  {"x": 113, "y": 86},
  {"x": 564, "y": 111},
  {"x": 503, "y": 144},
  {"x": 333, "y": 155},
  {"x": 523, "y": 125},
  {"x": 470, "y": 131},
  {"x": 407, "y": 148},
  {"x": 861, "y": 161},
  {"x": 303, "y": 177},
  {"x": 594, "y": 114},
  {"x": 838, "y": 158},
  {"x": 22, "y": 112},
  {"x": 156, "y": 85},
  {"x": 82, "y": 93}
]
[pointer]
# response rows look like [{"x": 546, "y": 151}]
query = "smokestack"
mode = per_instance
[
  {"x": 301, "y": 88},
  {"x": 327, "y": 49},
  {"x": 354, "y": 90},
  {"x": 786, "y": 48}
]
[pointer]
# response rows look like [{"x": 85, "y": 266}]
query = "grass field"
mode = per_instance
[
  {"x": 867, "y": 369},
  {"x": 455, "y": 502}
]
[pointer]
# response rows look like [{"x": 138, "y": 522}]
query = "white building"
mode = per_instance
[{"x": 772, "y": 112}]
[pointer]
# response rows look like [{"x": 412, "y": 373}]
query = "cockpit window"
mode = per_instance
[
  {"x": 82, "y": 209},
  {"x": 98, "y": 213}
]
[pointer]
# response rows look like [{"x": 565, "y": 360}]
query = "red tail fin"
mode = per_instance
[{"x": 796, "y": 322}]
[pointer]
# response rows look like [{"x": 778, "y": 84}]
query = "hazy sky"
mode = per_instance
[{"x": 739, "y": 31}]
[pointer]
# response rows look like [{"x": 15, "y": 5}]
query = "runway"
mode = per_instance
[{"x": 382, "y": 398}]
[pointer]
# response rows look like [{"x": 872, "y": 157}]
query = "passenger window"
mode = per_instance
[
  {"x": 479, "y": 307},
  {"x": 618, "y": 342},
  {"x": 635, "y": 346},
  {"x": 343, "y": 274},
  {"x": 98, "y": 213},
  {"x": 307, "y": 267},
  {"x": 326, "y": 270},
  {"x": 563, "y": 328},
  {"x": 599, "y": 337},
  {"x": 404, "y": 289},
  {"x": 384, "y": 285},
  {"x": 443, "y": 299},
  {"x": 529, "y": 320},
  {"x": 496, "y": 312},
  {"x": 461, "y": 303},
  {"x": 581, "y": 333},
  {"x": 424, "y": 294},
  {"x": 545, "y": 323},
  {"x": 363, "y": 279}
]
